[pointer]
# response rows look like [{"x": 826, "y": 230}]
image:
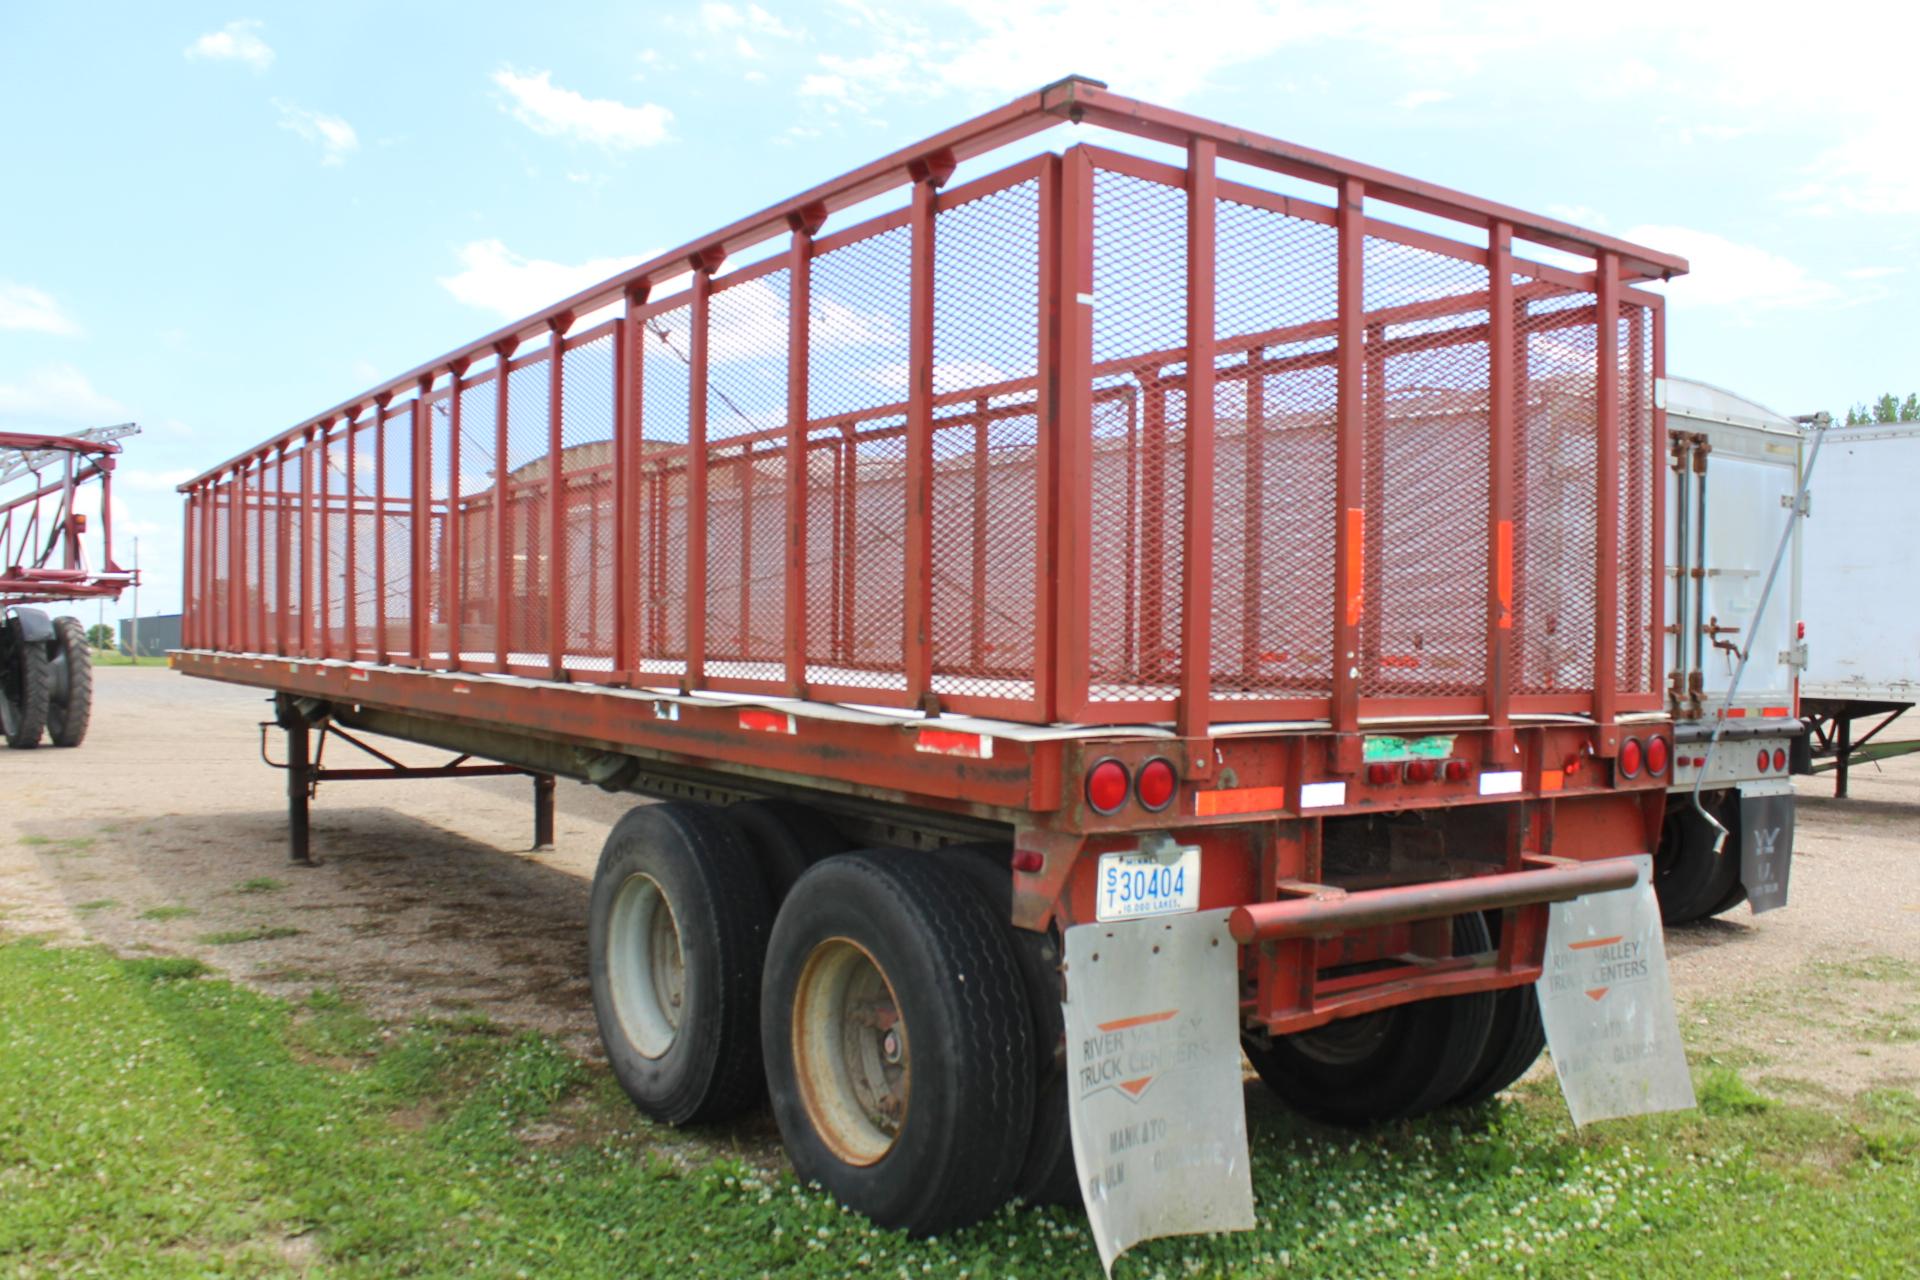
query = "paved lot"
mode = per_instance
[{"x": 166, "y": 828}]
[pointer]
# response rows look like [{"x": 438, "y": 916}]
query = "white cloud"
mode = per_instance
[
  {"x": 57, "y": 396},
  {"x": 555, "y": 112},
  {"x": 1870, "y": 171},
  {"x": 1417, "y": 98},
  {"x": 235, "y": 42},
  {"x": 30, "y": 310},
  {"x": 494, "y": 278},
  {"x": 1728, "y": 274},
  {"x": 334, "y": 136},
  {"x": 1872, "y": 273}
]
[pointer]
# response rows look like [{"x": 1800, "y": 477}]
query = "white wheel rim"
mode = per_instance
[
  {"x": 645, "y": 965},
  {"x": 850, "y": 1052}
]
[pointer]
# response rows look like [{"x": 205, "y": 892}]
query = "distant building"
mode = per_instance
[{"x": 158, "y": 634}]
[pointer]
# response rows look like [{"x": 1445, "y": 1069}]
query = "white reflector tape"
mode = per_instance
[
  {"x": 1500, "y": 784},
  {"x": 948, "y": 742},
  {"x": 1156, "y": 1101},
  {"x": 1322, "y": 795},
  {"x": 1608, "y": 1008}
]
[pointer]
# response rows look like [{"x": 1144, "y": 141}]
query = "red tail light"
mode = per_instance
[
  {"x": 1630, "y": 758},
  {"x": 1156, "y": 784},
  {"x": 1457, "y": 770},
  {"x": 1656, "y": 756},
  {"x": 1766, "y": 758},
  {"x": 1779, "y": 759},
  {"x": 1107, "y": 787},
  {"x": 1379, "y": 774},
  {"x": 1419, "y": 771},
  {"x": 1028, "y": 860}
]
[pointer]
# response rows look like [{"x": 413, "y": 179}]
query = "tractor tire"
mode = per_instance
[
  {"x": 1392, "y": 1064},
  {"x": 67, "y": 717},
  {"x": 899, "y": 1043},
  {"x": 28, "y": 691},
  {"x": 676, "y": 934}
]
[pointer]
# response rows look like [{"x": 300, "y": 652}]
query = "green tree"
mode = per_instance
[
  {"x": 100, "y": 636},
  {"x": 1888, "y": 408}
]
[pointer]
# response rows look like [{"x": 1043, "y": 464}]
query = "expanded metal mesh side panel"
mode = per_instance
[
  {"x": 364, "y": 524},
  {"x": 222, "y": 567},
  {"x": 269, "y": 495},
  {"x": 1425, "y": 475},
  {"x": 396, "y": 533},
  {"x": 1274, "y": 403},
  {"x": 587, "y": 475},
  {"x": 438, "y": 420},
  {"x": 336, "y": 536},
  {"x": 294, "y": 514},
  {"x": 1554, "y": 497},
  {"x": 478, "y": 570},
  {"x": 857, "y": 360},
  {"x": 1139, "y": 425},
  {"x": 529, "y": 539},
  {"x": 985, "y": 523},
  {"x": 661, "y": 565},
  {"x": 1638, "y": 475},
  {"x": 746, "y": 499}
]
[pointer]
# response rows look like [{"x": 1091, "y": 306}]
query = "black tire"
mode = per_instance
[
  {"x": 28, "y": 689},
  {"x": 1388, "y": 1065},
  {"x": 785, "y": 839},
  {"x": 1514, "y": 1043},
  {"x": 937, "y": 1139},
  {"x": 689, "y": 1052},
  {"x": 1048, "y": 1175},
  {"x": 1690, "y": 879},
  {"x": 67, "y": 717}
]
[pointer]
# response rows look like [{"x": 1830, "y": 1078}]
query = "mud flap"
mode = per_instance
[
  {"x": 1156, "y": 1103},
  {"x": 1608, "y": 1007},
  {"x": 1766, "y": 847}
]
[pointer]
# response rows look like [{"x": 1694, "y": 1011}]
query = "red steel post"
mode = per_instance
[
  {"x": 190, "y": 604},
  {"x": 349, "y": 585},
  {"x": 257, "y": 623},
  {"x": 237, "y": 559},
  {"x": 282, "y": 556},
  {"x": 696, "y": 657},
  {"x": 1047, "y": 425},
  {"x": 1657, "y": 553},
  {"x": 1196, "y": 577},
  {"x": 1253, "y": 539},
  {"x": 306, "y": 545},
  {"x": 1349, "y": 536},
  {"x": 420, "y": 590},
  {"x": 626, "y": 489},
  {"x": 917, "y": 647},
  {"x": 1073, "y": 428},
  {"x": 1606, "y": 595},
  {"x": 453, "y": 553},
  {"x": 502, "y": 480},
  {"x": 1500, "y": 505},
  {"x": 380, "y": 529},
  {"x": 325, "y": 540},
  {"x": 556, "y": 496},
  {"x": 799, "y": 325}
]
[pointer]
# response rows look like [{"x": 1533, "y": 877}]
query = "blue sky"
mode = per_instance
[{"x": 217, "y": 221}]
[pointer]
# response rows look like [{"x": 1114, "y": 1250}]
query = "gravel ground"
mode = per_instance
[{"x": 166, "y": 830}]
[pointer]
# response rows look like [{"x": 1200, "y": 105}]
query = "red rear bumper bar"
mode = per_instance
[{"x": 1322, "y": 910}]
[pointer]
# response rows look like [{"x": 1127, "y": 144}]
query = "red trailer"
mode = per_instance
[
  {"x": 1085, "y": 538},
  {"x": 46, "y": 664}
]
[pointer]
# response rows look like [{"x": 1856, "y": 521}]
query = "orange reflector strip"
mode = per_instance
[
  {"x": 766, "y": 721},
  {"x": 1503, "y": 573},
  {"x": 1207, "y": 804},
  {"x": 948, "y": 742},
  {"x": 1773, "y": 711},
  {"x": 1735, "y": 713},
  {"x": 1594, "y": 942},
  {"x": 1552, "y": 780},
  {"x": 1356, "y": 564}
]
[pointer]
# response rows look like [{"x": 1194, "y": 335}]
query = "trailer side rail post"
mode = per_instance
[
  {"x": 1349, "y": 535},
  {"x": 805, "y": 224},
  {"x": 1607, "y": 589},
  {"x": 1501, "y": 417},
  {"x": 556, "y": 497},
  {"x": 1196, "y": 575}
]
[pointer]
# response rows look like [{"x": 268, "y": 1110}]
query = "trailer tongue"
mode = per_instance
[{"x": 1080, "y": 544}]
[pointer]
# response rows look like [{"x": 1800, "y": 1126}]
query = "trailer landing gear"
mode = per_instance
[{"x": 306, "y": 771}]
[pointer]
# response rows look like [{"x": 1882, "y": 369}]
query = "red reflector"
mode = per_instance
[
  {"x": 1779, "y": 759},
  {"x": 79, "y": 522},
  {"x": 1765, "y": 759},
  {"x": 1419, "y": 771},
  {"x": 1379, "y": 774},
  {"x": 1457, "y": 770},
  {"x": 1571, "y": 767},
  {"x": 1630, "y": 758},
  {"x": 1156, "y": 783},
  {"x": 1028, "y": 860},
  {"x": 1656, "y": 756},
  {"x": 1107, "y": 786}
]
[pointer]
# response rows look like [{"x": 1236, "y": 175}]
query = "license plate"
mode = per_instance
[{"x": 1132, "y": 885}]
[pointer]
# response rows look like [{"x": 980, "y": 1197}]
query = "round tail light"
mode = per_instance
[
  {"x": 1457, "y": 770},
  {"x": 1156, "y": 783},
  {"x": 1656, "y": 756},
  {"x": 1766, "y": 758},
  {"x": 1379, "y": 773},
  {"x": 1630, "y": 758},
  {"x": 1419, "y": 771},
  {"x": 1107, "y": 787},
  {"x": 1779, "y": 759}
]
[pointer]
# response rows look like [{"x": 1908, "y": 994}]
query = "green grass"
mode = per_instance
[
  {"x": 157, "y": 1122},
  {"x": 260, "y": 884},
  {"x": 98, "y": 904},
  {"x": 252, "y": 933},
  {"x": 168, "y": 913},
  {"x": 114, "y": 658}
]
